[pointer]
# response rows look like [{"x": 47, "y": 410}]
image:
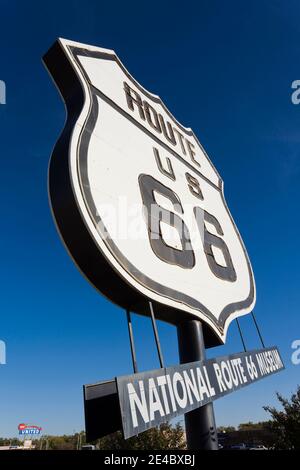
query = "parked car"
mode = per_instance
[
  {"x": 257, "y": 447},
  {"x": 241, "y": 446}
]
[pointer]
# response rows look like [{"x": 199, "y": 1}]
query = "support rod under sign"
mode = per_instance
[
  {"x": 160, "y": 356},
  {"x": 258, "y": 330},
  {"x": 132, "y": 347},
  {"x": 241, "y": 334}
]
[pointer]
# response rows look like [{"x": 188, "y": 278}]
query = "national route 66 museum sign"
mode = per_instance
[{"x": 121, "y": 141}]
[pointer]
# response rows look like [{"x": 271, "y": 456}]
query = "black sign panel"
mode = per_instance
[{"x": 149, "y": 398}]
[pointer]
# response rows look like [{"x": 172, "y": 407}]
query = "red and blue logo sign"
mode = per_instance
[{"x": 29, "y": 429}]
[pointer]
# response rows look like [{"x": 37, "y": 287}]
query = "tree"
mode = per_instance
[
  {"x": 286, "y": 422},
  {"x": 58, "y": 442},
  {"x": 250, "y": 426},
  {"x": 224, "y": 429},
  {"x": 164, "y": 437},
  {"x": 10, "y": 441}
]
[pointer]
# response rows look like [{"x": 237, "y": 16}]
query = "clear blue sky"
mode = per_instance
[{"x": 223, "y": 68}]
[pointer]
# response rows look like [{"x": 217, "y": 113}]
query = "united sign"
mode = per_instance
[{"x": 31, "y": 429}]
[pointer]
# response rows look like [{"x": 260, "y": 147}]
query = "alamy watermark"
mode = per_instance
[
  {"x": 2, "y": 352},
  {"x": 295, "y": 96},
  {"x": 2, "y": 92},
  {"x": 296, "y": 354},
  {"x": 137, "y": 221}
]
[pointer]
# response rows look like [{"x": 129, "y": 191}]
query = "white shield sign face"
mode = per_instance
[{"x": 137, "y": 201}]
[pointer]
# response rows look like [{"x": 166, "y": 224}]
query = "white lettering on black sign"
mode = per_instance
[{"x": 149, "y": 398}]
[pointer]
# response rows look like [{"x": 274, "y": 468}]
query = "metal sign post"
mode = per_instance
[{"x": 200, "y": 426}]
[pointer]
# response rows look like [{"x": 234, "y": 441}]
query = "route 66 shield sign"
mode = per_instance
[{"x": 138, "y": 204}]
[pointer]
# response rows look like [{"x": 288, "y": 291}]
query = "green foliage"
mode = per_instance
[
  {"x": 250, "y": 426},
  {"x": 225, "y": 429},
  {"x": 65, "y": 442},
  {"x": 286, "y": 422},
  {"x": 10, "y": 442},
  {"x": 164, "y": 437}
]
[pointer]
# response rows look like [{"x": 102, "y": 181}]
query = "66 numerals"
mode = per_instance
[{"x": 156, "y": 214}]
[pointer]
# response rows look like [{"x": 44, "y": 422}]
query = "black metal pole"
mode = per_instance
[
  {"x": 258, "y": 330},
  {"x": 132, "y": 347},
  {"x": 241, "y": 335},
  {"x": 160, "y": 356},
  {"x": 200, "y": 426}
]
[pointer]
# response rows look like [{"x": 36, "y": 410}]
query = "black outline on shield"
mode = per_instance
[{"x": 76, "y": 236}]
